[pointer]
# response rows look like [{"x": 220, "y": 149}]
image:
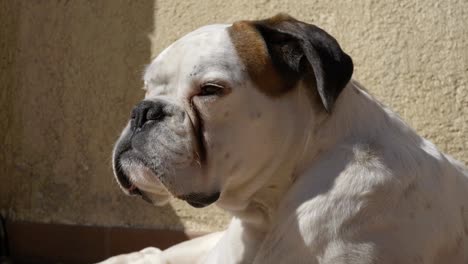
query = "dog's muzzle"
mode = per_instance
[{"x": 144, "y": 113}]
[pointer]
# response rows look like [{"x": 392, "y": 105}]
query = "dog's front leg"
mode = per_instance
[
  {"x": 147, "y": 255},
  {"x": 192, "y": 251}
]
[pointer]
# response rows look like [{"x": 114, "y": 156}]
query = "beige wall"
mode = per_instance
[{"x": 70, "y": 73}]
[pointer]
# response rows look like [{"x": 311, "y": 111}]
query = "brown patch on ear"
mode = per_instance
[
  {"x": 279, "y": 52},
  {"x": 253, "y": 52}
]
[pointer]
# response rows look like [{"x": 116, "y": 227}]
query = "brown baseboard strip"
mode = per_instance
[{"x": 56, "y": 243}]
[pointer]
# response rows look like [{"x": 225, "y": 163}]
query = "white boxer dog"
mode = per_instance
[{"x": 263, "y": 119}]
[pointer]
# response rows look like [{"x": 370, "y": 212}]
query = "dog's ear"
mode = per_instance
[{"x": 303, "y": 51}]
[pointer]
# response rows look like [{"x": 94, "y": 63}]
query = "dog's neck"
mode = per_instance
[{"x": 353, "y": 118}]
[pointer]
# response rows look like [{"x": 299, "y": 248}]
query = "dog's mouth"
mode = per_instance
[
  {"x": 124, "y": 154},
  {"x": 197, "y": 200},
  {"x": 123, "y": 151},
  {"x": 124, "y": 181},
  {"x": 127, "y": 185}
]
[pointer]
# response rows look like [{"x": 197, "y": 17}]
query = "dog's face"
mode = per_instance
[{"x": 225, "y": 108}]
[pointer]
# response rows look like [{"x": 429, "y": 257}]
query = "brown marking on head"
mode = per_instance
[
  {"x": 281, "y": 51},
  {"x": 253, "y": 52}
]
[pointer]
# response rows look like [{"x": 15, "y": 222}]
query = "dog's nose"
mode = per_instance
[{"x": 144, "y": 112}]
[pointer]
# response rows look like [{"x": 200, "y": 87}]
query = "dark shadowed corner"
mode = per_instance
[{"x": 70, "y": 73}]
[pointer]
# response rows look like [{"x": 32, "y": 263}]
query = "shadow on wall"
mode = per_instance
[{"x": 70, "y": 72}]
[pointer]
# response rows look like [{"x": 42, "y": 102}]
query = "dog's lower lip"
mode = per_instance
[
  {"x": 133, "y": 190},
  {"x": 122, "y": 177},
  {"x": 199, "y": 200},
  {"x": 196, "y": 205}
]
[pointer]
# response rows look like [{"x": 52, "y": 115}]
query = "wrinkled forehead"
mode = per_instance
[{"x": 207, "y": 50}]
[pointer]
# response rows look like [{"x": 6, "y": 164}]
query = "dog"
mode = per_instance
[{"x": 263, "y": 118}]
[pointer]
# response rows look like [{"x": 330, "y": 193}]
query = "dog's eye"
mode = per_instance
[{"x": 211, "y": 89}]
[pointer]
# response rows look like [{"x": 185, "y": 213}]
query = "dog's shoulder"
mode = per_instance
[
  {"x": 332, "y": 199},
  {"x": 359, "y": 193}
]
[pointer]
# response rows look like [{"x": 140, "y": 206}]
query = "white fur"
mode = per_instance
[{"x": 354, "y": 186}]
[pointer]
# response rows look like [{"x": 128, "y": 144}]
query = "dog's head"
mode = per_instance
[{"x": 226, "y": 107}]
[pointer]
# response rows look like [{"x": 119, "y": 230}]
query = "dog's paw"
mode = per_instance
[{"x": 146, "y": 256}]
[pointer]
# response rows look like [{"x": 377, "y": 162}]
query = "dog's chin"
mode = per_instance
[
  {"x": 139, "y": 180},
  {"x": 154, "y": 191}
]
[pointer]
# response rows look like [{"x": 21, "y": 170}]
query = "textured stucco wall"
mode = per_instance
[{"x": 70, "y": 73}]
